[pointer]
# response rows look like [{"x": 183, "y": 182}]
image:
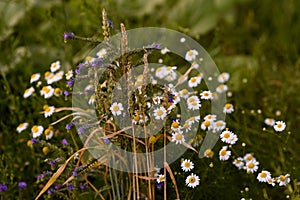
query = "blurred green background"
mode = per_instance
[{"x": 256, "y": 41}]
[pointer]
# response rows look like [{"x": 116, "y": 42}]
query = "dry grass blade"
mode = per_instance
[
  {"x": 57, "y": 174},
  {"x": 172, "y": 178}
]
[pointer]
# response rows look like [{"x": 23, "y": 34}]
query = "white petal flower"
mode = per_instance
[
  {"x": 35, "y": 77},
  {"x": 187, "y": 165},
  {"x": 28, "y": 92},
  {"x": 37, "y": 131},
  {"x": 279, "y": 126},
  {"x": 160, "y": 113},
  {"x": 191, "y": 55},
  {"x": 55, "y": 66},
  {"x": 22, "y": 127},
  {"x": 264, "y": 176},
  {"x": 224, "y": 154},
  {"x": 116, "y": 109},
  {"x": 192, "y": 180}
]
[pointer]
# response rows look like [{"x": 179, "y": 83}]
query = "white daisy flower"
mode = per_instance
[
  {"x": 48, "y": 133},
  {"x": 184, "y": 93},
  {"x": 37, "y": 131},
  {"x": 192, "y": 180},
  {"x": 228, "y": 108},
  {"x": 279, "y": 126},
  {"x": 28, "y": 92},
  {"x": 194, "y": 81},
  {"x": 178, "y": 137},
  {"x": 160, "y": 178},
  {"x": 264, "y": 176},
  {"x": 270, "y": 121},
  {"x": 157, "y": 100},
  {"x": 206, "y": 95},
  {"x": 89, "y": 60},
  {"x": 193, "y": 103},
  {"x": 207, "y": 125},
  {"x": 69, "y": 74},
  {"x": 224, "y": 154},
  {"x": 194, "y": 119},
  {"x": 51, "y": 78},
  {"x": 187, "y": 165},
  {"x": 102, "y": 53},
  {"x": 249, "y": 157},
  {"x": 272, "y": 181},
  {"x": 55, "y": 66},
  {"x": 22, "y": 127},
  {"x": 283, "y": 180},
  {"x": 172, "y": 75},
  {"x": 228, "y": 137},
  {"x": 252, "y": 166},
  {"x": 210, "y": 117},
  {"x": 58, "y": 76},
  {"x": 160, "y": 113},
  {"x": 239, "y": 162},
  {"x": 35, "y": 77},
  {"x": 222, "y": 88},
  {"x": 47, "y": 74},
  {"x": 224, "y": 77},
  {"x": 48, "y": 110},
  {"x": 47, "y": 91},
  {"x": 191, "y": 55},
  {"x": 219, "y": 125},
  {"x": 164, "y": 50},
  {"x": 116, "y": 108},
  {"x": 195, "y": 65}
]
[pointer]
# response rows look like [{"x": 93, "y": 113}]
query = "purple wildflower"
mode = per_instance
[
  {"x": 70, "y": 83},
  {"x": 51, "y": 191},
  {"x": 34, "y": 141},
  {"x": 80, "y": 130},
  {"x": 64, "y": 141},
  {"x": 22, "y": 185},
  {"x": 70, "y": 186},
  {"x": 66, "y": 93},
  {"x": 74, "y": 173},
  {"x": 52, "y": 162},
  {"x": 68, "y": 36},
  {"x": 110, "y": 23},
  {"x": 3, "y": 188},
  {"x": 58, "y": 186},
  {"x": 106, "y": 140},
  {"x": 82, "y": 186},
  {"x": 69, "y": 126}
]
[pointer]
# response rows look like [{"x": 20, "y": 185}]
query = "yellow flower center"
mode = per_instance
[
  {"x": 47, "y": 132},
  {"x": 279, "y": 125},
  {"x": 88, "y": 58},
  {"x": 46, "y": 89},
  {"x": 223, "y": 152},
  {"x": 228, "y": 105},
  {"x": 206, "y": 123},
  {"x": 160, "y": 112},
  {"x": 205, "y": 94},
  {"x": 194, "y": 103},
  {"x": 47, "y": 74},
  {"x": 282, "y": 178},
  {"x": 175, "y": 124},
  {"x": 218, "y": 123},
  {"x": 263, "y": 175},
  {"x": 184, "y": 91},
  {"x": 21, "y": 125},
  {"x": 193, "y": 79},
  {"x": 251, "y": 165},
  {"x": 209, "y": 152},
  {"x": 187, "y": 164},
  {"x": 226, "y": 135},
  {"x": 186, "y": 125},
  {"x": 116, "y": 108},
  {"x": 190, "y": 53},
  {"x": 33, "y": 76},
  {"x": 249, "y": 157},
  {"x": 137, "y": 118},
  {"x": 192, "y": 180},
  {"x": 178, "y": 137},
  {"x": 191, "y": 100},
  {"x": 35, "y": 129},
  {"x": 57, "y": 90}
]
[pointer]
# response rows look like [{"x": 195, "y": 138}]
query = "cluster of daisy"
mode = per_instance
[
  {"x": 278, "y": 126},
  {"x": 192, "y": 180}
]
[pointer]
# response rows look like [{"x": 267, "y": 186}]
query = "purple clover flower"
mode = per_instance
[
  {"x": 22, "y": 185},
  {"x": 34, "y": 141}
]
